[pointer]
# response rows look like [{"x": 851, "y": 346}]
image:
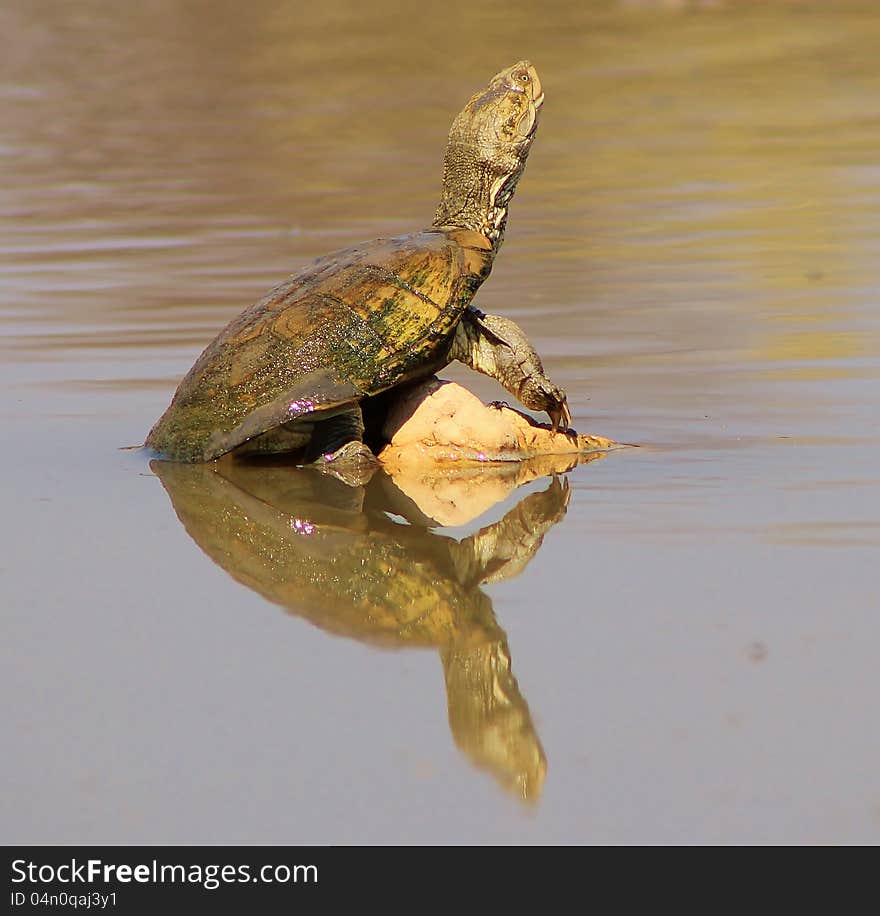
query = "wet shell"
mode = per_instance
[{"x": 354, "y": 324}]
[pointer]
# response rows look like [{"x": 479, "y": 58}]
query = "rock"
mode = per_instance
[
  {"x": 439, "y": 421},
  {"x": 455, "y": 457}
]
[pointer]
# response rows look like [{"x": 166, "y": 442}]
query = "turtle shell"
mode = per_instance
[{"x": 354, "y": 324}]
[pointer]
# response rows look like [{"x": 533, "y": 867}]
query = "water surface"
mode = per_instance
[{"x": 683, "y": 650}]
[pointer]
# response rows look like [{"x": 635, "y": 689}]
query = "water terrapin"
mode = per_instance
[{"x": 290, "y": 372}]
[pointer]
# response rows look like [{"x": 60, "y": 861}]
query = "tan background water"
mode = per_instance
[{"x": 694, "y": 251}]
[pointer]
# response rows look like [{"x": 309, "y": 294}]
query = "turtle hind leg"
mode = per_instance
[
  {"x": 337, "y": 448},
  {"x": 289, "y": 438}
]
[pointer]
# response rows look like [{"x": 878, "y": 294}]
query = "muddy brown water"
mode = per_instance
[{"x": 678, "y": 643}]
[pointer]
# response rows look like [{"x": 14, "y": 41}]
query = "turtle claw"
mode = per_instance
[
  {"x": 354, "y": 464},
  {"x": 560, "y": 416}
]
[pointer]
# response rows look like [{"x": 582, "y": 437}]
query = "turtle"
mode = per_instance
[{"x": 293, "y": 372}]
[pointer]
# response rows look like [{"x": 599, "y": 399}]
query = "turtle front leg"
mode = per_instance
[{"x": 499, "y": 348}]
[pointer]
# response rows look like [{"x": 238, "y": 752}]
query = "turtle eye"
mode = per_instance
[{"x": 523, "y": 77}]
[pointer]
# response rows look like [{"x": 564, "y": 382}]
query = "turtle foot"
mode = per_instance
[{"x": 354, "y": 464}]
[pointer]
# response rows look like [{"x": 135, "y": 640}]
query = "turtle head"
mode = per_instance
[{"x": 486, "y": 154}]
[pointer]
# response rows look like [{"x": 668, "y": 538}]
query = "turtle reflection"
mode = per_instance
[{"x": 331, "y": 554}]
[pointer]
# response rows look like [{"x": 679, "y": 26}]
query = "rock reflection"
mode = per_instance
[{"x": 334, "y": 555}]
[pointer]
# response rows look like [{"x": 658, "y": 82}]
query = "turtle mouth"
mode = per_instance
[{"x": 536, "y": 108}]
